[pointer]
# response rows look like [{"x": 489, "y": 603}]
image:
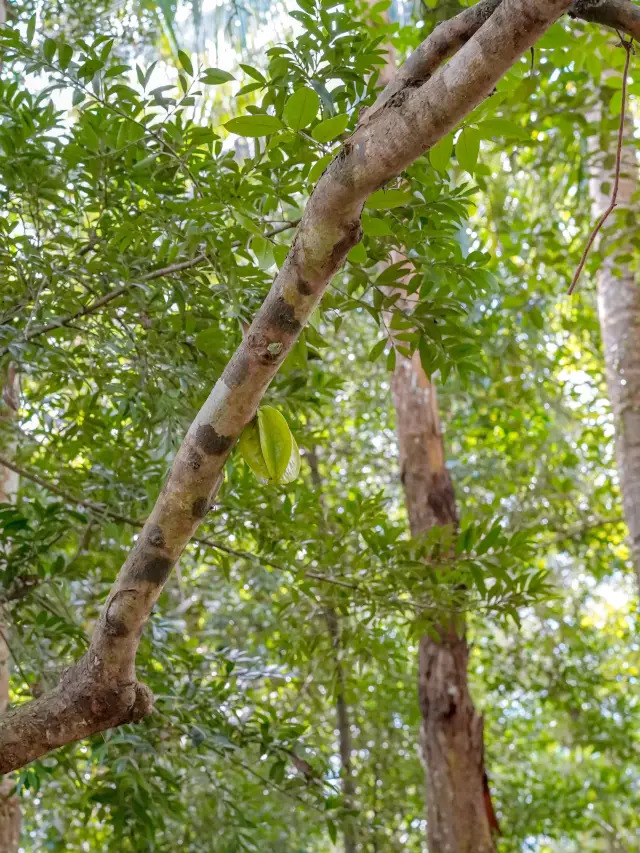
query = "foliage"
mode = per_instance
[{"x": 137, "y": 238}]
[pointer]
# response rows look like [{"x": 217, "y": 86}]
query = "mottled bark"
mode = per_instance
[
  {"x": 101, "y": 690},
  {"x": 621, "y": 15},
  {"x": 449, "y": 36},
  {"x": 9, "y": 803},
  {"x": 619, "y": 310},
  {"x": 451, "y": 738}
]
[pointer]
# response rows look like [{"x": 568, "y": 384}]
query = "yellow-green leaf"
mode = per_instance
[
  {"x": 468, "y": 148},
  {"x": 251, "y": 450},
  {"x": 276, "y": 441}
]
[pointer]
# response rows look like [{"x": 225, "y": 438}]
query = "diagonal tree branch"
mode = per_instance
[
  {"x": 101, "y": 690},
  {"x": 449, "y": 36},
  {"x": 621, "y": 15}
]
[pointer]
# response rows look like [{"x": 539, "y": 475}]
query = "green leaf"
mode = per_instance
[
  {"x": 208, "y": 340},
  {"x": 65, "y": 54},
  {"x": 49, "y": 49},
  {"x": 215, "y": 76},
  {"x": 377, "y": 349},
  {"x": 357, "y": 255},
  {"x": 301, "y": 108},
  {"x": 261, "y": 248},
  {"x": 440, "y": 154},
  {"x": 468, "y": 148},
  {"x": 276, "y": 441},
  {"x": 387, "y": 199},
  {"x": 259, "y": 124},
  {"x": 280, "y": 253},
  {"x": 318, "y": 168},
  {"x": 185, "y": 61},
  {"x": 501, "y": 127},
  {"x": 31, "y": 28},
  {"x": 374, "y": 227},
  {"x": 253, "y": 72},
  {"x": 391, "y": 359},
  {"x": 251, "y": 450},
  {"x": 330, "y": 128}
]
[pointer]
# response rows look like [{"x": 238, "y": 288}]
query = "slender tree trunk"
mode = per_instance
[
  {"x": 9, "y": 804},
  {"x": 343, "y": 718},
  {"x": 344, "y": 735},
  {"x": 619, "y": 311}
]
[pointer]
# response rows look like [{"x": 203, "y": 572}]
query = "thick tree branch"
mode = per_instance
[
  {"x": 101, "y": 690},
  {"x": 621, "y": 15},
  {"x": 449, "y": 36}
]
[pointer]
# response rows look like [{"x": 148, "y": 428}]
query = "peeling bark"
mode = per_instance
[
  {"x": 619, "y": 311},
  {"x": 101, "y": 690},
  {"x": 10, "y": 820}
]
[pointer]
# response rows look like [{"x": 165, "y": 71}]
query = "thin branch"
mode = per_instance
[
  {"x": 628, "y": 46},
  {"x": 99, "y": 303}
]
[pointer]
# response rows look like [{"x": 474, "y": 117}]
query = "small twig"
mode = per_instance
[{"x": 628, "y": 46}]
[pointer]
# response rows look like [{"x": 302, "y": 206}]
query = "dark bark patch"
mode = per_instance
[
  {"x": 211, "y": 442},
  {"x": 116, "y": 627},
  {"x": 398, "y": 99},
  {"x": 442, "y": 498},
  {"x": 265, "y": 350},
  {"x": 303, "y": 287},
  {"x": 194, "y": 460},
  {"x": 155, "y": 536},
  {"x": 154, "y": 569},
  {"x": 281, "y": 315},
  {"x": 199, "y": 507},
  {"x": 237, "y": 370}
]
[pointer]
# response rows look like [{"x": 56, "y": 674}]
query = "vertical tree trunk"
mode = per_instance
[
  {"x": 459, "y": 815},
  {"x": 343, "y": 719},
  {"x": 619, "y": 311},
  {"x": 9, "y": 805}
]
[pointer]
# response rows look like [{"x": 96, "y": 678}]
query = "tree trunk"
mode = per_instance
[
  {"x": 451, "y": 740},
  {"x": 9, "y": 804},
  {"x": 619, "y": 311},
  {"x": 343, "y": 719},
  {"x": 451, "y": 743}
]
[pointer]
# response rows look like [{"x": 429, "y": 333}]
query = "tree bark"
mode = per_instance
[
  {"x": 460, "y": 814},
  {"x": 343, "y": 718},
  {"x": 618, "y": 290},
  {"x": 451, "y": 736},
  {"x": 9, "y": 803},
  {"x": 101, "y": 690}
]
